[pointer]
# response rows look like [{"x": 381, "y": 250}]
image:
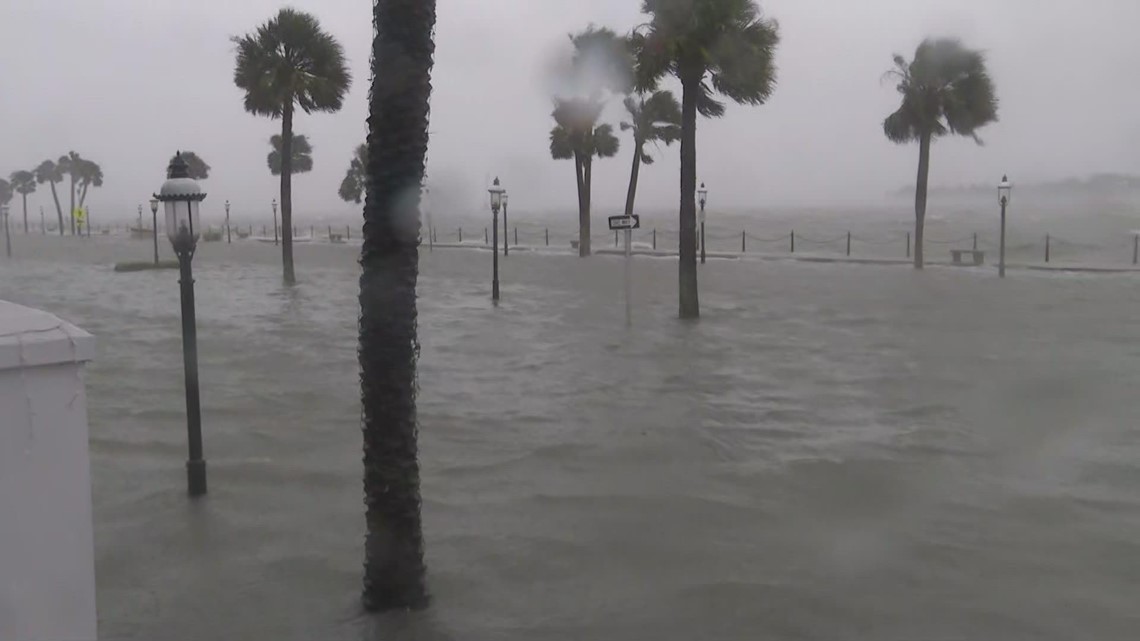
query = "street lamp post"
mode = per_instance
[
  {"x": 1005, "y": 192},
  {"x": 702, "y": 196},
  {"x": 274, "y": 221},
  {"x": 181, "y": 196},
  {"x": 154, "y": 225},
  {"x": 7, "y": 237},
  {"x": 506, "y": 239},
  {"x": 228, "y": 239},
  {"x": 497, "y": 196}
]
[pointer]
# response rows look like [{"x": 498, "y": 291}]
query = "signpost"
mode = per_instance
[{"x": 628, "y": 224}]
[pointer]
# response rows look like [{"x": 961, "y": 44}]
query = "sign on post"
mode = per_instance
[{"x": 624, "y": 222}]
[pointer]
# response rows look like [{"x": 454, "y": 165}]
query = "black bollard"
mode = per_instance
[
  {"x": 460, "y": 234},
  {"x": 908, "y": 244},
  {"x": 849, "y": 243},
  {"x": 615, "y": 239},
  {"x": 548, "y": 237},
  {"x": 654, "y": 238},
  {"x": 486, "y": 238},
  {"x": 516, "y": 236},
  {"x": 793, "y": 241},
  {"x": 1046, "y": 248},
  {"x": 743, "y": 247}
]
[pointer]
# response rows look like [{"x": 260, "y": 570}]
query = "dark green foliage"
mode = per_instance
[
  {"x": 356, "y": 178},
  {"x": 302, "y": 155},
  {"x": 49, "y": 172},
  {"x": 654, "y": 119},
  {"x": 199, "y": 170},
  {"x": 711, "y": 46},
  {"x": 945, "y": 90},
  {"x": 286, "y": 63},
  {"x": 402, "y": 52}
]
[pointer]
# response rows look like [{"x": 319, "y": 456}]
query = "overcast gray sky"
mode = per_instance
[{"x": 127, "y": 82}]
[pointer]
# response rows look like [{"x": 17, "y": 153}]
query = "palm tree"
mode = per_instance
[
  {"x": 945, "y": 89},
  {"x": 71, "y": 166},
  {"x": 302, "y": 155},
  {"x": 402, "y": 50},
  {"x": 653, "y": 119},
  {"x": 721, "y": 46},
  {"x": 90, "y": 175},
  {"x": 356, "y": 178},
  {"x": 24, "y": 182},
  {"x": 578, "y": 136},
  {"x": 289, "y": 62},
  {"x": 49, "y": 172},
  {"x": 199, "y": 170}
]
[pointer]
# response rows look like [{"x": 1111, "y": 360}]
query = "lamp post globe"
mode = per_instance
[
  {"x": 1005, "y": 193},
  {"x": 181, "y": 196},
  {"x": 497, "y": 194},
  {"x": 702, "y": 198}
]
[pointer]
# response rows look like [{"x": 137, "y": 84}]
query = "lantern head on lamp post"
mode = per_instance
[
  {"x": 181, "y": 197},
  {"x": 1005, "y": 192},
  {"x": 498, "y": 198},
  {"x": 702, "y": 198}
]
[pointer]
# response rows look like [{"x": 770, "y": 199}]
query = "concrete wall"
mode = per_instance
[{"x": 47, "y": 569}]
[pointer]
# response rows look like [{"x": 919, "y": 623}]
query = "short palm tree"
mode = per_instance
[
  {"x": 578, "y": 136},
  {"x": 711, "y": 46},
  {"x": 24, "y": 183},
  {"x": 49, "y": 172},
  {"x": 302, "y": 155},
  {"x": 285, "y": 64},
  {"x": 71, "y": 166},
  {"x": 402, "y": 51},
  {"x": 652, "y": 119},
  {"x": 356, "y": 178},
  {"x": 945, "y": 90},
  {"x": 90, "y": 175},
  {"x": 199, "y": 170}
]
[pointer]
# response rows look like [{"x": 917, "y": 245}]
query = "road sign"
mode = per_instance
[{"x": 625, "y": 222}]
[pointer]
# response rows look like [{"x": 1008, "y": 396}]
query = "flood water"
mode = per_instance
[{"x": 832, "y": 452}]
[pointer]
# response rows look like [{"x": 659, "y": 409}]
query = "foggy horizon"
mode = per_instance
[{"x": 128, "y": 83}]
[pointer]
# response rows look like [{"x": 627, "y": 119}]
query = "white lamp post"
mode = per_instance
[
  {"x": 181, "y": 196},
  {"x": 228, "y": 239},
  {"x": 154, "y": 225},
  {"x": 497, "y": 195},
  {"x": 1005, "y": 193}
]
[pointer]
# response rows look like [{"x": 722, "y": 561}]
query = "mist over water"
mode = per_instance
[{"x": 832, "y": 452}]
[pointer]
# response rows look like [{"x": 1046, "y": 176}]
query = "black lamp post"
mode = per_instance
[
  {"x": 274, "y": 221},
  {"x": 4, "y": 210},
  {"x": 228, "y": 239},
  {"x": 497, "y": 196},
  {"x": 1005, "y": 191},
  {"x": 154, "y": 225},
  {"x": 181, "y": 196},
  {"x": 506, "y": 238},
  {"x": 702, "y": 197}
]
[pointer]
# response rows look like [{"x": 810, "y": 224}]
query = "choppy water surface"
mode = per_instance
[{"x": 832, "y": 452}]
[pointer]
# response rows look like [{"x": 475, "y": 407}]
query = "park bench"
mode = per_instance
[{"x": 976, "y": 257}]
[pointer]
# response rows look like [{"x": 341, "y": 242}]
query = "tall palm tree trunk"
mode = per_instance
[
  {"x": 71, "y": 211},
  {"x": 631, "y": 194},
  {"x": 584, "y": 240},
  {"x": 287, "y": 193},
  {"x": 920, "y": 197},
  {"x": 402, "y": 51},
  {"x": 58, "y": 209},
  {"x": 689, "y": 302},
  {"x": 25, "y": 196}
]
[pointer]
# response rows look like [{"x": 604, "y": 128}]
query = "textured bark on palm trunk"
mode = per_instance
[
  {"x": 689, "y": 302},
  {"x": 25, "y": 196},
  {"x": 58, "y": 209},
  {"x": 287, "y": 194},
  {"x": 631, "y": 193},
  {"x": 71, "y": 212},
  {"x": 402, "y": 51},
  {"x": 920, "y": 198}
]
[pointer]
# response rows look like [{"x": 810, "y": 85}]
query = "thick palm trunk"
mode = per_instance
[
  {"x": 402, "y": 50},
  {"x": 71, "y": 211},
  {"x": 631, "y": 194},
  {"x": 584, "y": 243},
  {"x": 58, "y": 209},
  {"x": 287, "y": 193},
  {"x": 920, "y": 197},
  {"x": 583, "y": 233},
  {"x": 689, "y": 302},
  {"x": 25, "y": 196}
]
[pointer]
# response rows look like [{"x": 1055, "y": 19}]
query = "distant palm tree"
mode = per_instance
[
  {"x": 90, "y": 175},
  {"x": 71, "y": 166},
  {"x": 402, "y": 51},
  {"x": 289, "y": 62},
  {"x": 578, "y": 136},
  {"x": 356, "y": 178},
  {"x": 730, "y": 44},
  {"x": 49, "y": 172},
  {"x": 24, "y": 182},
  {"x": 199, "y": 170},
  {"x": 302, "y": 155},
  {"x": 945, "y": 89},
  {"x": 653, "y": 119}
]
